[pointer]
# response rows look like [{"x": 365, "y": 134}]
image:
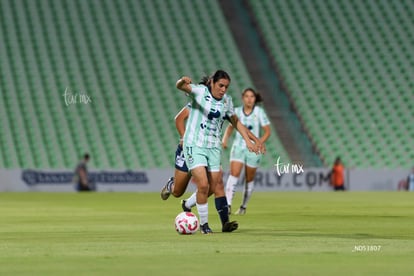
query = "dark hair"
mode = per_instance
[
  {"x": 219, "y": 74},
  {"x": 257, "y": 95},
  {"x": 86, "y": 156}
]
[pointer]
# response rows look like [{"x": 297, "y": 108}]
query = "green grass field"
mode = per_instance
[{"x": 133, "y": 234}]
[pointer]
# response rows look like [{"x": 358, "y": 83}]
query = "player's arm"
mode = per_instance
[
  {"x": 226, "y": 136},
  {"x": 247, "y": 135},
  {"x": 261, "y": 146},
  {"x": 184, "y": 84},
  {"x": 265, "y": 136},
  {"x": 240, "y": 127},
  {"x": 180, "y": 119}
]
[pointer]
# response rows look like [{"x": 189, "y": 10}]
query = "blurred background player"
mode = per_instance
[
  {"x": 410, "y": 181},
  {"x": 337, "y": 175},
  {"x": 254, "y": 118},
  {"x": 81, "y": 175}
]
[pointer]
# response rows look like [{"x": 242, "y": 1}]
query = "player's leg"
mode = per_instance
[
  {"x": 196, "y": 160},
  {"x": 222, "y": 206},
  {"x": 214, "y": 160},
  {"x": 181, "y": 176},
  {"x": 181, "y": 180},
  {"x": 190, "y": 202},
  {"x": 235, "y": 171},
  {"x": 200, "y": 177},
  {"x": 252, "y": 163},
  {"x": 248, "y": 190},
  {"x": 236, "y": 166},
  {"x": 220, "y": 202},
  {"x": 215, "y": 175}
]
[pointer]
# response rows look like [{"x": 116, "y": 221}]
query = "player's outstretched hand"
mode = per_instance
[
  {"x": 262, "y": 148},
  {"x": 186, "y": 80},
  {"x": 253, "y": 147}
]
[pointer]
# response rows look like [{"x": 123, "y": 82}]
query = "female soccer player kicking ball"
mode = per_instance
[{"x": 210, "y": 106}]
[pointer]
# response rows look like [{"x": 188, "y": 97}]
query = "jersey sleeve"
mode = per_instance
[
  {"x": 197, "y": 89},
  {"x": 230, "y": 107},
  {"x": 264, "y": 120}
]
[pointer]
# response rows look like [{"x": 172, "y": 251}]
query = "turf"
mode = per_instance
[{"x": 133, "y": 234}]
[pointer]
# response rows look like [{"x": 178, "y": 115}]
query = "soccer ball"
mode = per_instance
[{"x": 186, "y": 223}]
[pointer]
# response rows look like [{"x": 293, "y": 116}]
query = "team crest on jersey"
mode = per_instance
[{"x": 213, "y": 114}]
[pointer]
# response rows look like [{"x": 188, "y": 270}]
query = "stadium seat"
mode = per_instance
[
  {"x": 346, "y": 73},
  {"x": 126, "y": 57}
]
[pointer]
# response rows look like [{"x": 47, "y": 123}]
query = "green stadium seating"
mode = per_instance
[
  {"x": 347, "y": 67},
  {"x": 126, "y": 56}
]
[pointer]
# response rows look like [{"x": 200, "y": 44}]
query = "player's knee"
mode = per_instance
[
  {"x": 203, "y": 189},
  {"x": 177, "y": 193},
  {"x": 250, "y": 175}
]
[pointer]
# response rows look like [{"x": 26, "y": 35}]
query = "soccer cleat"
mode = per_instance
[
  {"x": 185, "y": 209},
  {"x": 166, "y": 190},
  {"x": 230, "y": 226},
  {"x": 241, "y": 211},
  {"x": 205, "y": 229}
]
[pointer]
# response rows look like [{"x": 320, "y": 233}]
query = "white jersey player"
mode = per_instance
[{"x": 255, "y": 119}]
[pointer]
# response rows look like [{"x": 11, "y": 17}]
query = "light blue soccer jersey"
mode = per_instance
[
  {"x": 205, "y": 123},
  {"x": 254, "y": 122}
]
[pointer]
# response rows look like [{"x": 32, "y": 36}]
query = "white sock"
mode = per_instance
[
  {"x": 203, "y": 212},
  {"x": 191, "y": 201},
  {"x": 231, "y": 188},
  {"x": 247, "y": 194}
]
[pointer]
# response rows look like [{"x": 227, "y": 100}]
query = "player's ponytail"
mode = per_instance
[
  {"x": 205, "y": 81},
  {"x": 219, "y": 74}
]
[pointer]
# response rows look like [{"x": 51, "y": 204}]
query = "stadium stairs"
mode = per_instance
[{"x": 266, "y": 78}]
